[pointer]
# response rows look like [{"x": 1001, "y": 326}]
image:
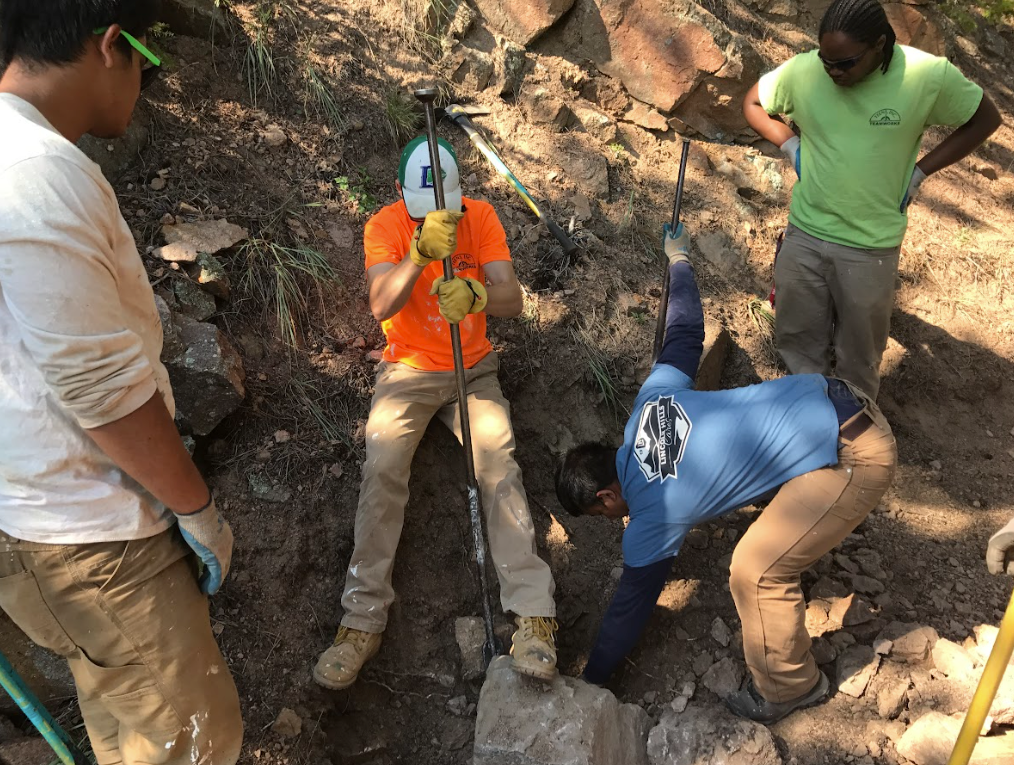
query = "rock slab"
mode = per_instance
[
  {"x": 710, "y": 736},
  {"x": 521, "y": 721},
  {"x": 522, "y": 22},
  {"x": 470, "y": 635}
]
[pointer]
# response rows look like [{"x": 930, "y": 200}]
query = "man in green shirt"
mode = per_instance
[{"x": 861, "y": 103}]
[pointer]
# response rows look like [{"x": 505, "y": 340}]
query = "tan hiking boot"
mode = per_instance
[
  {"x": 339, "y": 666},
  {"x": 534, "y": 647}
]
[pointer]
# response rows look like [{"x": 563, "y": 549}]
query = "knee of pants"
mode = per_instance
[{"x": 744, "y": 574}]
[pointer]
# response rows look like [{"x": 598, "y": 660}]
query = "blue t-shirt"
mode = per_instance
[{"x": 689, "y": 456}]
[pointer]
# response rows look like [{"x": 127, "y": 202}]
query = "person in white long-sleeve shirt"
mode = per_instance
[{"x": 110, "y": 537}]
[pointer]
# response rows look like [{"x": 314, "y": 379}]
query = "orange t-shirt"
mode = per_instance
[{"x": 418, "y": 335}]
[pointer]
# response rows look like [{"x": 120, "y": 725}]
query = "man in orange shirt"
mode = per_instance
[{"x": 415, "y": 381}]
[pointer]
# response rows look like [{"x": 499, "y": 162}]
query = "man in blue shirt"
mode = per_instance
[{"x": 818, "y": 445}]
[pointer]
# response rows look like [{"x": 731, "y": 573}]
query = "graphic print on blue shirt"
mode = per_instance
[
  {"x": 689, "y": 456},
  {"x": 661, "y": 438}
]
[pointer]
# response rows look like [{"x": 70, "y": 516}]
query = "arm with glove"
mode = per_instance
[
  {"x": 390, "y": 284},
  {"x": 772, "y": 128},
  {"x": 684, "y": 321}
]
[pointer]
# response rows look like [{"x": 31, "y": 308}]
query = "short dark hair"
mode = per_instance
[
  {"x": 862, "y": 20},
  {"x": 54, "y": 32},
  {"x": 586, "y": 470}
]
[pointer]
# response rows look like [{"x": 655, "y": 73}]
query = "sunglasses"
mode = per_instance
[
  {"x": 152, "y": 65},
  {"x": 844, "y": 64}
]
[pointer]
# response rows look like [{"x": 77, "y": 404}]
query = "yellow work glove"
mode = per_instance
[
  {"x": 459, "y": 297},
  {"x": 436, "y": 238}
]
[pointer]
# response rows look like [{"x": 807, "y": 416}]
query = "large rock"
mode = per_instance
[
  {"x": 914, "y": 28},
  {"x": 521, "y": 721},
  {"x": 724, "y": 677},
  {"x": 856, "y": 667},
  {"x": 117, "y": 155},
  {"x": 207, "y": 376},
  {"x": 952, "y": 659},
  {"x": 523, "y": 20},
  {"x": 208, "y": 236},
  {"x": 197, "y": 18},
  {"x": 931, "y": 738},
  {"x": 659, "y": 53},
  {"x": 709, "y": 736},
  {"x": 909, "y": 642}
]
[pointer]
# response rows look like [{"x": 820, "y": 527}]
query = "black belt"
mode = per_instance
[{"x": 857, "y": 427}]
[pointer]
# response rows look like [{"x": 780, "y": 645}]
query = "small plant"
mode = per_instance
[
  {"x": 958, "y": 12},
  {"x": 357, "y": 191},
  {"x": 160, "y": 31},
  {"x": 274, "y": 275},
  {"x": 618, "y": 149},
  {"x": 330, "y": 412},
  {"x": 600, "y": 366},
  {"x": 318, "y": 93},
  {"x": 402, "y": 118},
  {"x": 259, "y": 62},
  {"x": 762, "y": 316}
]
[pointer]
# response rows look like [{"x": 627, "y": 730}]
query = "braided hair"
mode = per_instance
[{"x": 862, "y": 20}]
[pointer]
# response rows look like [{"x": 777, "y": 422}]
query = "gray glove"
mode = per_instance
[
  {"x": 676, "y": 246},
  {"x": 1000, "y": 553},
  {"x": 210, "y": 537}
]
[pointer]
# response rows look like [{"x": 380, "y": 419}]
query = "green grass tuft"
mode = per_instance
[{"x": 402, "y": 117}]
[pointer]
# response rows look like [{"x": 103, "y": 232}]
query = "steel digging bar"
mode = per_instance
[
  {"x": 492, "y": 645},
  {"x": 664, "y": 304}
]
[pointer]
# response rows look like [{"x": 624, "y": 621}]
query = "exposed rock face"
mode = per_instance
[
  {"x": 914, "y": 28},
  {"x": 522, "y": 22},
  {"x": 709, "y": 735}
]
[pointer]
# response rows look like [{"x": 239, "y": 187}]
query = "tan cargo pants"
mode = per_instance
[
  {"x": 404, "y": 402},
  {"x": 134, "y": 628},
  {"x": 830, "y": 295},
  {"x": 810, "y": 516}
]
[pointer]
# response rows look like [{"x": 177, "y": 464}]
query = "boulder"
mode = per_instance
[
  {"x": 724, "y": 677},
  {"x": 915, "y": 28},
  {"x": 192, "y": 301},
  {"x": 118, "y": 155},
  {"x": 510, "y": 62},
  {"x": 207, "y": 376},
  {"x": 931, "y": 738},
  {"x": 910, "y": 642},
  {"x": 208, "y": 236},
  {"x": 543, "y": 108},
  {"x": 952, "y": 659},
  {"x": 470, "y": 634},
  {"x": 521, "y": 21},
  {"x": 210, "y": 274},
  {"x": 197, "y": 18},
  {"x": 596, "y": 123},
  {"x": 521, "y": 721},
  {"x": 856, "y": 667},
  {"x": 472, "y": 68},
  {"x": 172, "y": 346},
  {"x": 659, "y": 53},
  {"x": 710, "y": 736}
]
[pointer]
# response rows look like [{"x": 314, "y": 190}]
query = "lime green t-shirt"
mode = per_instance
[{"x": 859, "y": 145}]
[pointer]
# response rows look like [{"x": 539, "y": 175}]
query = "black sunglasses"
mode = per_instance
[{"x": 844, "y": 64}]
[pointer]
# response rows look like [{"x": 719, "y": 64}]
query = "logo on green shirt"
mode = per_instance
[{"x": 885, "y": 117}]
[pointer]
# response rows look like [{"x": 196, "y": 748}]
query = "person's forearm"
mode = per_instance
[
  {"x": 624, "y": 621},
  {"x": 504, "y": 300},
  {"x": 683, "y": 343},
  {"x": 391, "y": 290},
  {"x": 146, "y": 446},
  {"x": 965, "y": 139},
  {"x": 766, "y": 126}
]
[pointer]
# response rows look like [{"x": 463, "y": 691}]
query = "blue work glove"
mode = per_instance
[
  {"x": 210, "y": 537},
  {"x": 676, "y": 246},
  {"x": 918, "y": 176},
  {"x": 791, "y": 151}
]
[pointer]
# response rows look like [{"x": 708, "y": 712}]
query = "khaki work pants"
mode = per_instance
[
  {"x": 810, "y": 516},
  {"x": 405, "y": 401},
  {"x": 134, "y": 628},
  {"x": 830, "y": 295}
]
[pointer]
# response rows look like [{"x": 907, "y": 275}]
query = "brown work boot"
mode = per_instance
[
  {"x": 339, "y": 666},
  {"x": 534, "y": 647}
]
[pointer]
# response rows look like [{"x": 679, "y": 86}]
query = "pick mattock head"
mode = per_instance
[{"x": 427, "y": 95}]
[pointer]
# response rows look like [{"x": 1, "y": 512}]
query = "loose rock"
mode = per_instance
[
  {"x": 702, "y": 736},
  {"x": 288, "y": 724},
  {"x": 951, "y": 659},
  {"x": 273, "y": 136},
  {"x": 724, "y": 677},
  {"x": 210, "y": 236},
  {"x": 470, "y": 634},
  {"x": 891, "y": 698},
  {"x": 211, "y": 275},
  {"x": 526, "y": 722},
  {"x": 192, "y": 300},
  {"x": 179, "y": 252},
  {"x": 856, "y": 667},
  {"x": 720, "y": 632}
]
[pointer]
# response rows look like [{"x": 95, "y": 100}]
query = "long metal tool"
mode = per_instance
[
  {"x": 992, "y": 674},
  {"x": 492, "y": 646},
  {"x": 663, "y": 306},
  {"x": 459, "y": 114},
  {"x": 55, "y": 736}
]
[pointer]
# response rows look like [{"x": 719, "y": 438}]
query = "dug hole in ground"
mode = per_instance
[{"x": 285, "y": 119}]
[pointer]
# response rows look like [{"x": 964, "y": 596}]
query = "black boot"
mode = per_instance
[{"x": 750, "y": 704}]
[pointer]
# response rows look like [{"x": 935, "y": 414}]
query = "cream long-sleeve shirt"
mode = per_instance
[{"x": 80, "y": 340}]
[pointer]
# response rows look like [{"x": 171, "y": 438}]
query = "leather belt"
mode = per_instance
[{"x": 856, "y": 428}]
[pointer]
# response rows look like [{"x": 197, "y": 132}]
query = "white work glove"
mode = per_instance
[
  {"x": 1000, "y": 552},
  {"x": 676, "y": 246},
  {"x": 210, "y": 537},
  {"x": 918, "y": 176},
  {"x": 791, "y": 151}
]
